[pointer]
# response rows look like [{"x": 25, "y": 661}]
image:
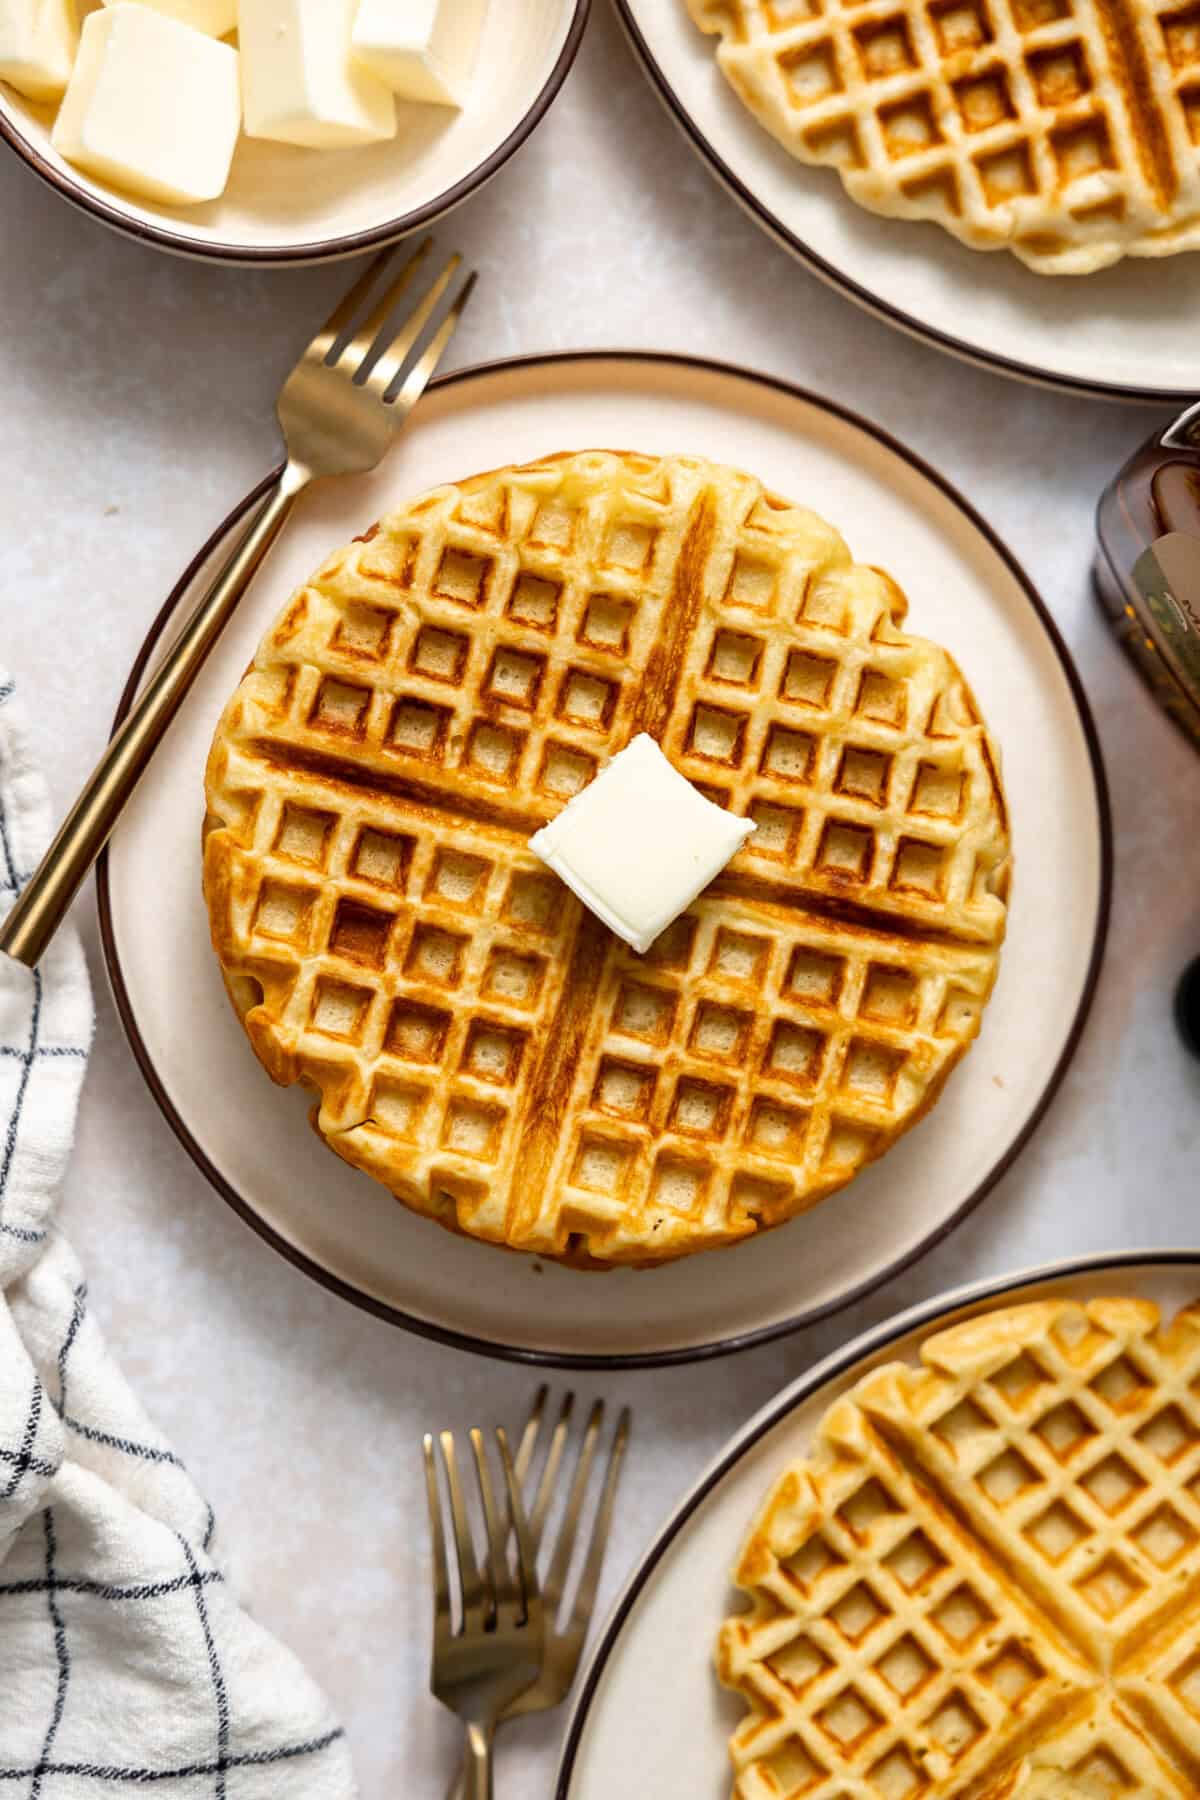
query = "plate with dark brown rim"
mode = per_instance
[
  {"x": 286, "y": 205},
  {"x": 649, "y": 1716},
  {"x": 1127, "y": 332},
  {"x": 252, "y": 1140}
]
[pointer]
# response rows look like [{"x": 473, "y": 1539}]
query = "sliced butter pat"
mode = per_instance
[
  {"x": 423, "y": 49},
  {"x": 152, "y": 106},
  {"x": 216, "y": 18},
  {"x": 300, "y": 83},
  {"x": 38, "y": 41},
  {"x": 639, "y": 843}
]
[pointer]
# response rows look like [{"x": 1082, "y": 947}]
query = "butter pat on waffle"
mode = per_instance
[
  {"x": 983, "y": 1583},
  {"x": 481, "y": 1043},
  {"x": 639, "y": 843},
  {"x": 1066, "y": 131}
]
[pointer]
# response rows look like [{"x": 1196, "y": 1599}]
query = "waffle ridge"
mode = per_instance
[
  {"x": 1066, "y": 131},
  {"x": 478, "y": 1041},
  {"x": 983, "y": 1583}
]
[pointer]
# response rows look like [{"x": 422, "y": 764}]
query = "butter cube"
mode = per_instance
[
  {"x": 38, "y": 41},
  {"x": 423, "y": 49},
  {"x": 152, "y": 106},
  {"x": 216, "y": 18},
  {"x": 300, "y": 84},
  {"x": 639, "y": 843}
]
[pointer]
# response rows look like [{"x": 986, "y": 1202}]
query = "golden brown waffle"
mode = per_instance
[
  {"x": 984, "y": 1581},
  {"x": 1066, "y": 131},
  {"x": 479, "y": 1041}
]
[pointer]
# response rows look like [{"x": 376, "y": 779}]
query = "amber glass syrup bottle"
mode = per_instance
[{"x": 1147, "y": 567}]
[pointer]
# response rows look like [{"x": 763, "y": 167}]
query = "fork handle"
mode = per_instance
[
  {"x": 476, "y": 1781},
  {"x": 459, "y": 1789},
  {"x": 50, "y": 890}
]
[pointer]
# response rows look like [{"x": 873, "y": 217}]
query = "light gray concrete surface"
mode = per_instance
[{"x": 137, "y": 409}]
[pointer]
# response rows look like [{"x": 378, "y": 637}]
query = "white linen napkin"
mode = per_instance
[{"x": 125, "y": 1660}]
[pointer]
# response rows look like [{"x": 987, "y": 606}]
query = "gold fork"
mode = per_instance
[
  {"x": 340, "y": 410},
  {"x": 495, "y": 1651},
  {"x": 562, "y": 1645}
]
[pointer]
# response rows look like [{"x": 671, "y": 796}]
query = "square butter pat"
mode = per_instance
[
  {"x": 423, "y": 49},
  {"x": 300, "y": 83},
  {"x": 38, "y": 40},
  {"x": 216, "y": 18},
  {"x": 153, "y": 106},
  {"x": 639, "y": 843}
]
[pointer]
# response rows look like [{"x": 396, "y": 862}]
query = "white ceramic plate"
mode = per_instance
[
  {"x": 650, "y": 1717},
  {"x": 1125, "y": 332},
  {"x": 253, "y": 1139},
  {"x": 287, "y": 205}
]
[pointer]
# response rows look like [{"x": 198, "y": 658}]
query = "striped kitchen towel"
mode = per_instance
[{"x": 125, "y": 1660}]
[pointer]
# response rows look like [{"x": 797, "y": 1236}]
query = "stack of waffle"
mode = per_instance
[
  {"x": 482, "y": 1044},
  {"x": 984, "y": 1581},
  {"x": 1067, "y": 131}
]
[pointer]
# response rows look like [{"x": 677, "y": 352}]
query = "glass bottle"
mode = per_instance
[{"x": 1147, "y": 566}]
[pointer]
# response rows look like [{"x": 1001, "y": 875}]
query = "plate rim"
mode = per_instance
[
  {"x": 787, "y": 1399},
  {"x": 833, "y": 277},
  {"x": 328, "y": 249},
  {"x": 738, "y": 1341}
]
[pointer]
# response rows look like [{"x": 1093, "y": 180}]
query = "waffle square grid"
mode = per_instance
[
  {"x": 479, "y": 1042},
  {"x": 985, "y": 1579},
  {"x": 1067, "y": 131}
]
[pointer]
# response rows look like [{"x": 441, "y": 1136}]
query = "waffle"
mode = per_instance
[
  {"x": 984, "y": 1581},
  {"x": 1066, "y": 131},
  {"x": 480, "y": 1042}
]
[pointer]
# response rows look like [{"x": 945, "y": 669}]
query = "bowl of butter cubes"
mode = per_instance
[{"x": 282, "y": 131}]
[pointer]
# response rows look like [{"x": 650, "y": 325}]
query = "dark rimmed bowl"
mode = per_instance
[{"x": 289, "y": 206}]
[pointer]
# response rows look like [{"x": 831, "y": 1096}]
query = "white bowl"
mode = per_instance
[{"x": 286, "y": 205}]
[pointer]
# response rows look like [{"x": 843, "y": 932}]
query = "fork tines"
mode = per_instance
[
  {"x": 567, "y": 1526},
  {"x": 499, "y": 1590},
  {"x": 362, "y": 337}
]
